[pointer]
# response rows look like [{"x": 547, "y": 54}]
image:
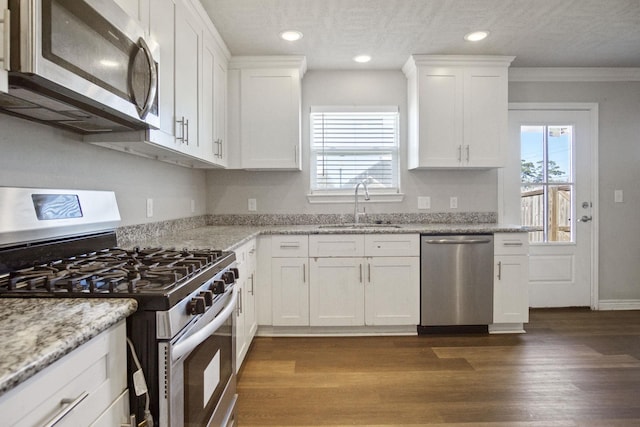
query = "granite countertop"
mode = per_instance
[
  {"x": 35, "y": 332},
  {"x": 229, "y": 237}
]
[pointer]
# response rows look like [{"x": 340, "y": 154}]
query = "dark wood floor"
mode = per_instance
[{"x": 574, "y": 367}]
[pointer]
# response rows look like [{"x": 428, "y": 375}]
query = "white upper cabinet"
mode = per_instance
[
  {"x": 192, "y": 86},
  {"x": 458, "y": 108},
  {"x": 265, "y": 111}
]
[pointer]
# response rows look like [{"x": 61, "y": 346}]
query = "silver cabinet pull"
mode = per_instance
[
  {"x": 6, "y": 22},
  {"x": 304, "y": 273},
  {"x": 512, "y": 244},
  {"x": 181, "y": 123},
  {"x": 289, "y": 246},
  {"x": 467, "y": 153},
  {"x": 360, "y": 273},
  {"x": 186, "y": 125},
  {"x": 459, "y": 153},
  {"x": 369, "y": 272},
  {"x": 71, "y": 405},
  {"x": 252, "y": 283},
  {"x": 499, "y": 270}
]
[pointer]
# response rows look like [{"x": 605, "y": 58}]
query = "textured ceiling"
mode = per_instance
[{"x": 540, "y": 33}]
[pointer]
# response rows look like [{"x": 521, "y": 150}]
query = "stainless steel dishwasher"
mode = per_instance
[{"x": 456, "y": 281}]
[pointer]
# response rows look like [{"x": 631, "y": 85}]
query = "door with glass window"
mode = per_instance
[{"x": 556, "y": 203}]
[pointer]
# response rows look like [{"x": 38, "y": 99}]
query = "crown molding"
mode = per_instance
[{"x": 574, "y": 74}]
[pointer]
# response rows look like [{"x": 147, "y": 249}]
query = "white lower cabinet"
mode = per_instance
[
  {"x": 246, "y": 323},
  {"x": 290, "y": 280},
  {"x": 511, "y": 273},
  {"x": 371, "y": 289},
  {"x": 87, "y": 387}
]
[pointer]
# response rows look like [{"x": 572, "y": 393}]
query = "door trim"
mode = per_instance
[{"x": 592, "y": 109}]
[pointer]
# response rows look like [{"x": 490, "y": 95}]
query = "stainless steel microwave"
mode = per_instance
[{"x": 83, "y": 65}]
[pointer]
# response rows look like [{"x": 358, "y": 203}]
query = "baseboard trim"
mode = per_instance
[{"x": 622, "y": 304}]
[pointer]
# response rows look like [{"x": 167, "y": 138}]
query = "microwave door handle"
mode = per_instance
[
  {"x": 193, "y": 341},
  {"x": 153, "y": 78}
]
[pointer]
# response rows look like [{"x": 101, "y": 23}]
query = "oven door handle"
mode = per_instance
[{"x": 193, "y": 341}]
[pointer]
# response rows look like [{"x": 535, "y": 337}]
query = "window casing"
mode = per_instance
[{"x": 349, "y": 144}]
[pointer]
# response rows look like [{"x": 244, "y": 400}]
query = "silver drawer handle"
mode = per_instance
[
  {"x": 289, "y": 246},
  {"x": 512, "y": 244},
  {"x": 6, "y": 22},
  {"x": 72, "y": 403},
  {"x": 456, "y": 242}
]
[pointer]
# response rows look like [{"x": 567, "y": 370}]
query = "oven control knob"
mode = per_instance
[
  {"x": 217, "y": 287},
  {"x": 228, "y": 277},
  {"x": 208, "y": 297},
  {"x": 236, "y": 273},
  {"x": 196, "y": 305}
]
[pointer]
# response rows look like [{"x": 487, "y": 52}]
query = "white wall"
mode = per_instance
[
  {"x": 619, "y": 168},
  {"x": 34, "y": 155},
  {"x": 286, "y": 192}
]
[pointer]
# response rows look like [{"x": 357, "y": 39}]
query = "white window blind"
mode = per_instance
[{"x": 351, "y": 144}]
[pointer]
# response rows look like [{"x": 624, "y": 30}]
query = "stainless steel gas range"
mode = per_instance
[{"x": 62, "y": 243}]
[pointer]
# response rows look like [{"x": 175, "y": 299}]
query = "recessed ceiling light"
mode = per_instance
[
  {"x": 291, "y": 35},
  {"x": 362, "y": 58},
  {"x": 476, "y": 36}
]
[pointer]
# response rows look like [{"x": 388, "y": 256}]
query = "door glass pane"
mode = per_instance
[
  {"x": 559, "y": 213},
  {"x": 532, "y": 148},
  {"x": 559, "y": 153},
  {"x": 532, "y": 211}
]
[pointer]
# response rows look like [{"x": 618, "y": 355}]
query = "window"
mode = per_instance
[
  {"x": 351, "y": 144},
  {"x": 547, "y": 183}
]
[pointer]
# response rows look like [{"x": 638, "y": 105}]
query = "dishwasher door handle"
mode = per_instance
[{"x": 456, "y": 242}]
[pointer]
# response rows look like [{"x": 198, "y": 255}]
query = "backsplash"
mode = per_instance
[{"x": 129, "y": 235}]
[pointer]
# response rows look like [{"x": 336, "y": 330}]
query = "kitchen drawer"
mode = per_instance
[
  {"x": 289, "y": 246},
  {"x": 511, "y": 243},
  {"x": 392, "y": 245},
  {"x": 336, "y": 245},
  {"x": 95, "y": 372}
]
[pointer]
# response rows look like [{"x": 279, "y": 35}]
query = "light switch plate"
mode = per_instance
[
  {"x": 193, "y": 206},
  {"x": 252, "y": 205},
  {"x": 149, "y": 208},
  {"x": 453, "y": 202},
  {"x": 424, "y": 202},
  {"x": 618, "y": 196}
]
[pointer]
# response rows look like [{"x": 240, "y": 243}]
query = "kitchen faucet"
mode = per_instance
[{"x": 357, "y": 214}]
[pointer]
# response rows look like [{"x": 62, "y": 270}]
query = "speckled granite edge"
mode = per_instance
[
  {"x": 131, "y": 234},
  {"x": 36, "y": 332},
  {"x": 393, "y": 218}
]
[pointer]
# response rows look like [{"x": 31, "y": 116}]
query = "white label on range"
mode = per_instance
[{"x": 211, "y": 378}]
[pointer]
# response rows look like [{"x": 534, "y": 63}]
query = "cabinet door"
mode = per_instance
[
  {"x": 336, "y": 291},
  {"x": 4, "y": 60},
  {"x": 485, "y": 117},
  {"x": 392, "y": 291},
  {"x": 270, "y": 118},
  {"x": 208, "y": 147},
  {"x": 242, "y": 344},
  {"x": 440, "y": 103},
  {"x": 188, "y": 38},
  {"x": 511, "y": 299},
  {"x": 290, "y": 291},
  {"x": 161, "y": 24},
  {"x": 221, "y": 148}
]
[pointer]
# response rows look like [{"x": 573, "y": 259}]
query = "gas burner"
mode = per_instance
[{"x": 113, "y": 271}]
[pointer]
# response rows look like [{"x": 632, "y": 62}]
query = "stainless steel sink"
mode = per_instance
[{"x": 358, "y": 226}]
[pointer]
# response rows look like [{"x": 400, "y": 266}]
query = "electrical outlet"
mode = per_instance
[
  {"x": 424, "y": 202},
  {"x": 193, "y": 206},
  {"x": 149, "y": 208},
  {"x": 252, "y": 205},
  {"x": 453, "y": 202},
  {"x": 618, "y": 196}
]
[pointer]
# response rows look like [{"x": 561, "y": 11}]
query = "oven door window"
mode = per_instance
[{"x": 207, "y": 370}]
